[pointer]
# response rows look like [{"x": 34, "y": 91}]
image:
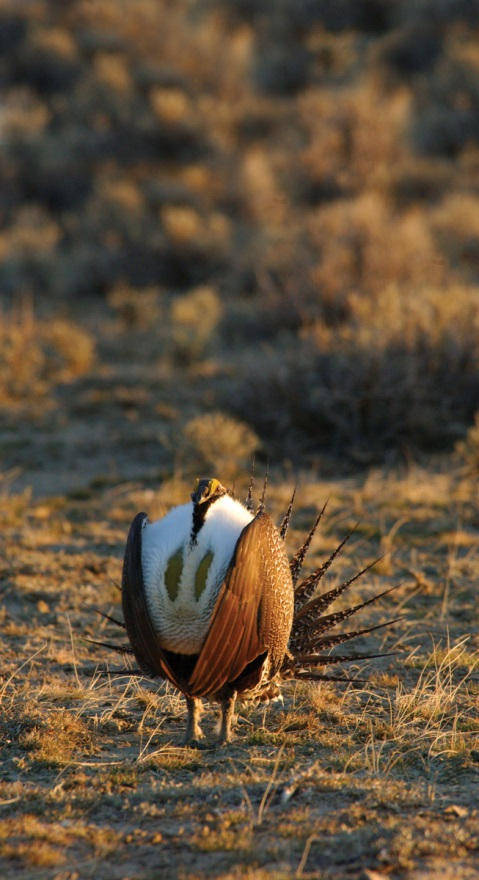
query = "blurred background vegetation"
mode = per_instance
[{"x": 235, "y": 224}]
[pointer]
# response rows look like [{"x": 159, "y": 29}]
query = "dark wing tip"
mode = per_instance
[{"x": 141, "y": 633}]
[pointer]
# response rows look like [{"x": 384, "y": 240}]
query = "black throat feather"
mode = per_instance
[{"x": 199, "y": 514}]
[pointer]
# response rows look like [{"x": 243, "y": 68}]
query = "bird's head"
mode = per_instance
[{"x": 207, "y": 490}]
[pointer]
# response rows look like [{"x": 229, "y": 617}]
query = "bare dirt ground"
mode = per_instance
[{"x": 369, "y": 781}]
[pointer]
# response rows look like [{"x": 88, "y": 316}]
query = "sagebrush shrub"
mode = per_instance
[
  {"x": 468, "y": 448},
  {"x": 37, "y": 355},
  {"x": 221, "y": 444},
  {"x": 402, "y": 371},
  {"x": 194, "y": 318}
]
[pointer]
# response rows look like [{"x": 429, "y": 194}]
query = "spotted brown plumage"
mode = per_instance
[
  {"x": 253, "y": 615},
  {"x": 248, "y": 627}
]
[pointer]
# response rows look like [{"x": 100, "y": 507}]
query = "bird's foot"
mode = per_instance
[
  {"x": 194, "y": 738},
  {"x": 196, "y": 744}
]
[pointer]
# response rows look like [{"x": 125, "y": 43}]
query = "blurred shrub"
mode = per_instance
[
  {"x": 281, "y": 68},
  {"x": 51, "y": 169},
  {"x": 439, "y": 11},
  {"x": 37, "y": 355},
  {"x": 137, "y": 309},
  {"x": 356, "y": 136},
  {"x": 33, "y": 232},
  {"x": 23, "y": 114},
  {"x": 364, "y": 247},
  {"x": 372, "y": 16},
  {"x": 67, "y": 349},
  {"x": 403, "y": 370},
  {"x": 171, "y": 105},
  {"x": 412, "y": 50},
  {"x": 194, "y": 318},
  {"x": 468, "y": 449},
  {"x": 48, "y": 61},
  {"x": 113, "y": 71},
  {"x": 456, "y": 224},
  {"x": 419, "y": 181},
  {"x": 183, "y": 225},
  {"x": 221, "y": 444},
  {"x": 447, "y": 110},
  {"x": 13, "y": 29}
]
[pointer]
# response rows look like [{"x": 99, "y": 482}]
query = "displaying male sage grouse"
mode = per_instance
[{"x": 211, "y": 603}]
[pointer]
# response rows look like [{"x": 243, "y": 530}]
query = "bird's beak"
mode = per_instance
[{"x": 205, "y": 489}]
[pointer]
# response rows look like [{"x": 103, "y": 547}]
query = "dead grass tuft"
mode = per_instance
[
  {"x": 40, "y": 854},
  {"x": 44, "y": 843},
  {"x": 58, "y": 737},
  {"x": 420, "y": 725}
]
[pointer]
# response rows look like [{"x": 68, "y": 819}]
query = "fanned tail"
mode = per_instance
[
  {"x": 317, "y": 627},
  {"x": 308, "y": 660},
  {"x": 339, "y": 639},
  {"x": 310, "y": 641},
  {"x": 309, "y": 611},
  {"x": 306, "y": 588},
  {"x": 308, "y": 675}
]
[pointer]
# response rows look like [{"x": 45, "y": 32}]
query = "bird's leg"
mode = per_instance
[
  {"x": 227, "y": 711},
  {"x": 193, "y": 729}
]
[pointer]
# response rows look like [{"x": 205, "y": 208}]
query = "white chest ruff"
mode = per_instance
[{"x": 182, "y": 622}]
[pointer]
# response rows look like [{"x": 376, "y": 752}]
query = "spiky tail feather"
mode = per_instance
[
  {"x": 306, "y": 588},
  {"x": 297, "y": 561},
  {"x": 284, "y": 525},
  {"x": 262, "y": 500},
  {"x": 307, "y": 641},
  {"x": 109, "y": 617},
  {"x": 120, "y": 649}
]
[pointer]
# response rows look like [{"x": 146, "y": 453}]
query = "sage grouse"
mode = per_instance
[{"x": 212, "y": 604}]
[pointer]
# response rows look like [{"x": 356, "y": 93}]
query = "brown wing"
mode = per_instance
[
  {"x": 142, "y": 636},
  {"x": 249, "y": 610}
]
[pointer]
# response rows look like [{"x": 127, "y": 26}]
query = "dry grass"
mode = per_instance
[
  {"x": 425, "y": 722},
  {"x": 340, "y": 781}
]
